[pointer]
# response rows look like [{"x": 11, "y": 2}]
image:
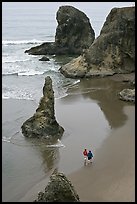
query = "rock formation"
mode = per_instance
[
  {"x": 43, "y": 122},
  {"x": 44, "y": 58},
  {"x": 59, "y": 189},
  {"x": 112, "y": 52},
  {"x": 73, "y": 34},
  {"x": 127, "y": 95}
]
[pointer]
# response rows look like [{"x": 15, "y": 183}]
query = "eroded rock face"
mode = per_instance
[
  {"x": 59, "y": 189},
  {"x": 43, "y": 122},
  {"x": 73, "y": 34},
  {"x": 112, "y": 52}
]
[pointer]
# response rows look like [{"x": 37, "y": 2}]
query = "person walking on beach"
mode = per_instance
[
  {"x": 85, "y": 153},
  {"x": 90, "y": 156}
]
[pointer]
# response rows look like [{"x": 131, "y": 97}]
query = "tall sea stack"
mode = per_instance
[
  {"x": 43, "y": 123},
  {"x": 74, "y": 33}
]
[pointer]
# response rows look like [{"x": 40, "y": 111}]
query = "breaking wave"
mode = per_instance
[{"x": 20, "y": 42}]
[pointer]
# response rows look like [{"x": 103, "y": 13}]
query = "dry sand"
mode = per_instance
[{"x": 111, "y": 176}]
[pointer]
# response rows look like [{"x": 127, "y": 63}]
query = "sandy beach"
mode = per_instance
[{"x": 111, "y": 176}]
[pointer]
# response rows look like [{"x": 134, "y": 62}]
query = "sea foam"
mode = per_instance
[{"x": 18, "y": 42}]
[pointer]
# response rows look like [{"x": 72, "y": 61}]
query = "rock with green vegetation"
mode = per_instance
[
  {"x": 43, "y": 123},
  {"x": 59, "y": 189}
]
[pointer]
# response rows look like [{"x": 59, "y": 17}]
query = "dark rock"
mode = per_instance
[
  {"x": 44, "y": 58},
  {"x": 43, "y": 123},
  {"x": 59, "y": 189},
  {"x": 43, "y": 49},
  {"x": 112, "y": 52},
  {"x": 73, "y": 34}
]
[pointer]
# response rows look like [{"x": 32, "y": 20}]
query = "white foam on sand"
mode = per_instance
[{"x": 58, "y": 144}]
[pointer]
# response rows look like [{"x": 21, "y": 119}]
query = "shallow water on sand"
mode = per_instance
[{"x": 88, "y": 113}]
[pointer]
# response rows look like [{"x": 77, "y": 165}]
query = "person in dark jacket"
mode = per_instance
[{"x": 90, "y": 156}]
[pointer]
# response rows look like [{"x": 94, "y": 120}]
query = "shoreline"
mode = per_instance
[{"x": 111, "y": 176}]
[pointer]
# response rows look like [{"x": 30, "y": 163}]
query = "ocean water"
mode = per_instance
[{"x": 26, "y": 24}]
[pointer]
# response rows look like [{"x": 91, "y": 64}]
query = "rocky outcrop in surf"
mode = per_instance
[
  {"x": 43, "y": 123},
  {"x": 59, "y": 189},
  {"x": 74, "y": 33},
  {"x": 44, "y": 58},
  {"x": 112, "y": 52}
]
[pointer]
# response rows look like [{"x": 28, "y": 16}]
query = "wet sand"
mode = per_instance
[
  {"x": 111, "y": 176},
  {"x": 93, "y": 117}
]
